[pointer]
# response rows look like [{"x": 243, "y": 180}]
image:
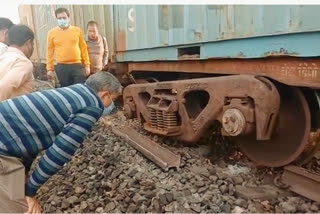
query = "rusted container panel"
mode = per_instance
[{"x": 149, "y": 26}]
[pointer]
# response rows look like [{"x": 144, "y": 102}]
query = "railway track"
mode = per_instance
[
  {"x": 298, "y": 179},
  {"x": 302, "y": 181}
]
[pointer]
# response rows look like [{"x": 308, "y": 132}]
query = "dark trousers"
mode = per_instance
[{"x": 69, "y": 74}]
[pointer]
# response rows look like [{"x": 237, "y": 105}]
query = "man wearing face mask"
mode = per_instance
[
  {"x": 16, "y": 70},
  {"x": 70, "y": 49},
  {"x": 5, "y": 24},
  {"x": 56, "y": 121}
]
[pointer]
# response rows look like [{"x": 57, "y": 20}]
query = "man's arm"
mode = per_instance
[
  {"x": 50, "y": 52},
  {"x": 63, "y": 148},
  {"x": 106, "y": 51},
  {"x": 84, "y": 50},
  {"x": 19, "y": 74}
]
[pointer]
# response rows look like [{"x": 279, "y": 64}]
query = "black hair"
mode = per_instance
[
  {"x": 61, "y": 10},
  {"x": 5, "y": 23},
  {"x": 91, "y": 23},
  {"x": 19, "y": 34}
]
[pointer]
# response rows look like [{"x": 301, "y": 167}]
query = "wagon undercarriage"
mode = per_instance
[{"x": 270, "y": 121}]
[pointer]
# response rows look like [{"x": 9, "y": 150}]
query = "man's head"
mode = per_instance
[
  {"x": 5, "y": 24},
  {"x": 92, "y": 30},
  {"x": 21, "y": 37},
  {"x": 62, "y": 15},
  {"x": 107, "y": 87}
]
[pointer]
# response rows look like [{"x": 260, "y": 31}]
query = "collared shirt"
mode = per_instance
[
  {"x": 55, "y": 120},
  {"x": 16, "y": 74},
  {"x": 3, "y": 48},
  {"x": 98, "y": 53}
]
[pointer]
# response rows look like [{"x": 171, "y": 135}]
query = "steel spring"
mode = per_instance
[
  {"x": 153, "y": 118},
  {"x": 170, "y": 119},
  {"x": 160, "y": 121}
]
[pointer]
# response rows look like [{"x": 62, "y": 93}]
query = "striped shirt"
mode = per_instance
[{"x": 54, "y": 120}]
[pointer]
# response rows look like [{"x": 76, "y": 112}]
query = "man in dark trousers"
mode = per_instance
[
  {"x": 56, "y": 121},
  {"x": 67, "y": 43}
]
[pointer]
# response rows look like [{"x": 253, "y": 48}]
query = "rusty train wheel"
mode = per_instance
[
  {"x": 290, "y": 136},
  {"x": 314, "y": 138},
  {"x": 311, "y": 148}
]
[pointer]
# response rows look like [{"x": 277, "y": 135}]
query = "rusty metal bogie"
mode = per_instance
[
  {"x": 185, "y": 109},
  {"x": 129, "y": 108},
  {"x": 163, "y": 112}
]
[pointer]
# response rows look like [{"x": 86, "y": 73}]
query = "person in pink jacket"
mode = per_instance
[{"x": 16, "y": 70}]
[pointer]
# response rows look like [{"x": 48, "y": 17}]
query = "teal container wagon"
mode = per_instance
[{"x": 231, "y": 31}]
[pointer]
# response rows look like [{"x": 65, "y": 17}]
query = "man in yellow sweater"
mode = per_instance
[{"x": 70, "y": 49}]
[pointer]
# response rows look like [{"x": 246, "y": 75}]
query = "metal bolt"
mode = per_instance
[
  {"x": 225, "y": 120},
  {"x": 232, "y": 119}
]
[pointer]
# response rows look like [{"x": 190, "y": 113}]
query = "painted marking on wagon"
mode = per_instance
[
  {"x": 131, "y": 19},
  {"x": 303, "y": 70},
  {"x": 196, "y": 86}
]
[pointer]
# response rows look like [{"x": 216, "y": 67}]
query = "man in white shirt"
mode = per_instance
[
  {"x": 16, "y": 70},
  {"x": 5, "y": 24}
]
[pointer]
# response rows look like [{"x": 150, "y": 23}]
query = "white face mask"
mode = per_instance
[
  {"x": 108, "y": 110},
  {"x": 63, "y": 23}
]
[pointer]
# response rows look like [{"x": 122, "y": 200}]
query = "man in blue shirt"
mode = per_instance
[{"x": 56, "y": 121}]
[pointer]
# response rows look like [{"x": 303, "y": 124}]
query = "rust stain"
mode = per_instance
[
  {"x": 281, "y": 52},
  {"x": 121, "y": 41},
  {"x": 241, "y": 55},
  {"x": 198, "y": 36}
]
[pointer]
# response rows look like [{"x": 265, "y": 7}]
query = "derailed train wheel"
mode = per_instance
[
  {"x": 313, "y": 145},
  {"x": 290, "y": 135}
]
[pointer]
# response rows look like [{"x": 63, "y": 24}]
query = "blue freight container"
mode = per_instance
[{"x": 168, "y": 32}]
